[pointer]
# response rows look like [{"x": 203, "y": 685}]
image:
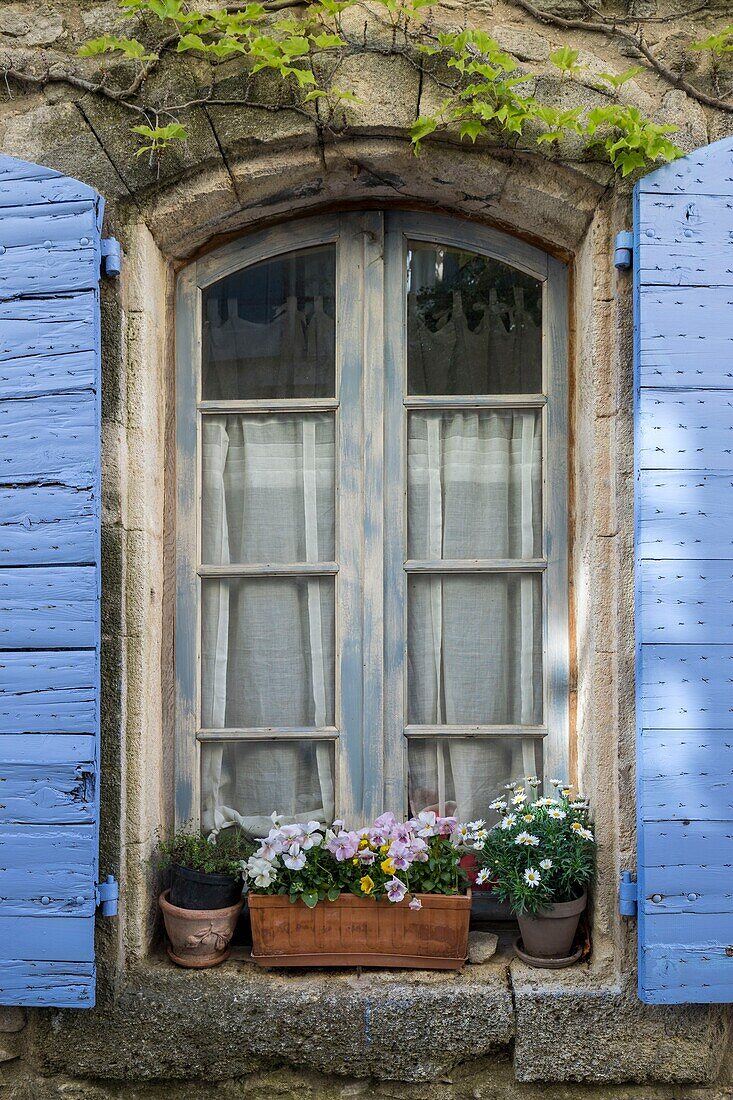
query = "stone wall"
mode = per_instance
[{"x": 498, "y": 1030}]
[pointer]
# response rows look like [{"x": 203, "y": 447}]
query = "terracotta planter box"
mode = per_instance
[{"x": 355, "y": 931}]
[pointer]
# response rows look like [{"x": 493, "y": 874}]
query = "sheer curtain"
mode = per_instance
[
  {"x": 267, "y": 642},
  {"x": 474, "y": 640}
]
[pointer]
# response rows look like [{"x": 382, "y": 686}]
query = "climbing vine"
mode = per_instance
[{"x": 482, "y": 91}]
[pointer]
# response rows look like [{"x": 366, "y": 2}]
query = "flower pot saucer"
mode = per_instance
[
  {"x": 203, "y": 962},
  {"x": 545, "y": 963}
]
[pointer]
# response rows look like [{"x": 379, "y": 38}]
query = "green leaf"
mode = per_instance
[
  {"x": 327, "y": 41},
  {"x": 310, "y": 897},
  {"x": 617, "y": 80},
  {"x": 565, "y": 59},
  {"x": 472, "y": 128},
  {"x": 333, "y": 894},
  {"x": 108, "y": 43},
  {"x": 717, "y": 43}
]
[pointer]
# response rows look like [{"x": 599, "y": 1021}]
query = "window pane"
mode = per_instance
[
  {"x": 246, "y": 781},
  {"x": 462, "y": 775},
  {"x": 474, "y": 649},
  {"x": 268, "y": 489},
  {"x": 474, "y": 324},
  {"x": 269, "y": 330},
  {"x": 267, "y": 652},
  {"x": 474, "y": 484}
]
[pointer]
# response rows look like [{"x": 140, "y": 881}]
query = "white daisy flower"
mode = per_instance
[
  {"x": 527, "y": 839},
  {"x": 482, "y": 877},
  {"x": 519, "y": 799},
  {"x": 586, "y": 834},
  {"x": 532, "y": 877},
  {"x": 556, "y": 813},
  {"x": 509, "y": 821},
  {"x": 557, "y": 783},
  {"x": 545, "y": 864},
  {"x": 498, "y": 804}
]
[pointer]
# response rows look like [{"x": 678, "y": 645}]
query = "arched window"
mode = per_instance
[{"x": 372, "y": 521}]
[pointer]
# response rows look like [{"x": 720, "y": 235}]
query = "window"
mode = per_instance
[{"x": 371, "y": 543}]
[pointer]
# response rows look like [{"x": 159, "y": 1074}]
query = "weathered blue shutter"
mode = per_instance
[
  {"x": 683, "y": 284},
  {"x": 49, "y": 584}
]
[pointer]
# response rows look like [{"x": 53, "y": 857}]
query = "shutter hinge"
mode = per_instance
[
  {"x": 106, "y": 894},
  {"x": 623, "y": 250},
  {"x": 627, "y": 895},
  {"x": 111, "y": 257}
]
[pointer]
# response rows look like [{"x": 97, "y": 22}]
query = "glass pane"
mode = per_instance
[
  {"x": 474, "y": 324},
  {"x": 474, "y": 649},
  {"x": 246, "y": 781},
  {"x": 463, "y": 775},
  {"x": 474, "y": 484},
  {"x": 269, "y": 330},
  {"x": 267, "y": 655},
  {"x": 268, "y": 489}
]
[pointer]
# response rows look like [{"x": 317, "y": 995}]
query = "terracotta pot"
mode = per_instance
[
  {"x": 198, "y": 937},
  {"x": 550, "y": 934},
  {"x": 355, "y": 931}
]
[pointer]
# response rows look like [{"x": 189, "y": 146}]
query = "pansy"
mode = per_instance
[
  {"x": 343, "y": 846},
  {"x": 425, "y": 823},
  {"x": 387, "y": 866},
  {"x": 366, "y": 884},
  {"x": 532, "y": 877},
  {"x": 400, "y": 855},
  {"x": 527, "y": 839},
  {"x": 294, "y": 859},
  {"x": 415, "y": 904},
  {"x": 396, "y": 890},
  {"x": 365, "y": 856}
]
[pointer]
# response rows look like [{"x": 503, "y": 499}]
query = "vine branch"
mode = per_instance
[{"x": 637, "y": 40}]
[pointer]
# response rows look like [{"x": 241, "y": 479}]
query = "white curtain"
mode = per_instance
[
  {"x": 267, "y": 642},
  {"x": 474, "y": 640}
]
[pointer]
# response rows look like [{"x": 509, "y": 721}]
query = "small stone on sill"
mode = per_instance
[{"x": 481, "y": 947}]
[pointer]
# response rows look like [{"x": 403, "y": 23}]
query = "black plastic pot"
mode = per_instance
[{"x": 198, "y": 890}]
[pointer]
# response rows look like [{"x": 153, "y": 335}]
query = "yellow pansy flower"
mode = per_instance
[
  {"x": 387, "y": 866},
  {"x": 384, "y": 849},
  {"x": 367, "y": 884}
]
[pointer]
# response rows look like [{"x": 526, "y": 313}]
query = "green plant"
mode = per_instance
[
  {"x": 218, "y": 854},
  {"x": 542, "y": 850},
  {"x": 487, "y": 96}
]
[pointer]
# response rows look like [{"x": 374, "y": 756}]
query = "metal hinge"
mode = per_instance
[
  {"x": 106, "y": 894},
  {"x": 627, "y": 895},
  {"x": 623, "y": 250},
  {"x": 111, "y": 257}
]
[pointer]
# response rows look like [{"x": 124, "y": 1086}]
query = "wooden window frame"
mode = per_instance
[{"x": 371, "y": 757}]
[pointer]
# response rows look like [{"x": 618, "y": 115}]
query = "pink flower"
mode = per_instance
[
  {"x": 366, "y": 856},
  {"x": 402, "y": 832},
  {"x": 400, "y": 855},
  {"x": 419, "y": 849},
  {"x": 396, "y": 890},
  {"x": 415, "y": 904},
  {"x": 344, "y": 846}
]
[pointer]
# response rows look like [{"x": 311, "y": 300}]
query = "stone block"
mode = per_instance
[
  {"x": 12, "y": 1020},
  {"x": 522, "y": 42},
  {"x": 570, "y": 1029},
  {"x": 33, "y": 24}
]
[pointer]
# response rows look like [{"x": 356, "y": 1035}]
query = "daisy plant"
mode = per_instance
[
  {"x": 390, "y": 859},
  {"x": 542, "y": 849}
]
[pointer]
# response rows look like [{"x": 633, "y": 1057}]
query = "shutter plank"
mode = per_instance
[
  {"x": 40, "y": 525},
  {"x": 44, "y": 608},
  {"x": 678, "y": 513},
  {"x": 53, "y": 937},
  {"x": 45, "y": 793},
  {"x": 685, "y": 336},
  {"x": 683, "y": 290},
  {"x": 47, "y": 862},
  {"x": 46, "y": 984},
  {"x": 686, "y": 430},
  {"x": 48, "y": 692},
  {"x": 49, "y": 440},
  {"x": 687, "y": 601}
]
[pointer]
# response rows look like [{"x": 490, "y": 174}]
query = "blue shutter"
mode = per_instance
[
  {"x": 49, "y": 584},
  {"x": 683, "y": 301}
]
